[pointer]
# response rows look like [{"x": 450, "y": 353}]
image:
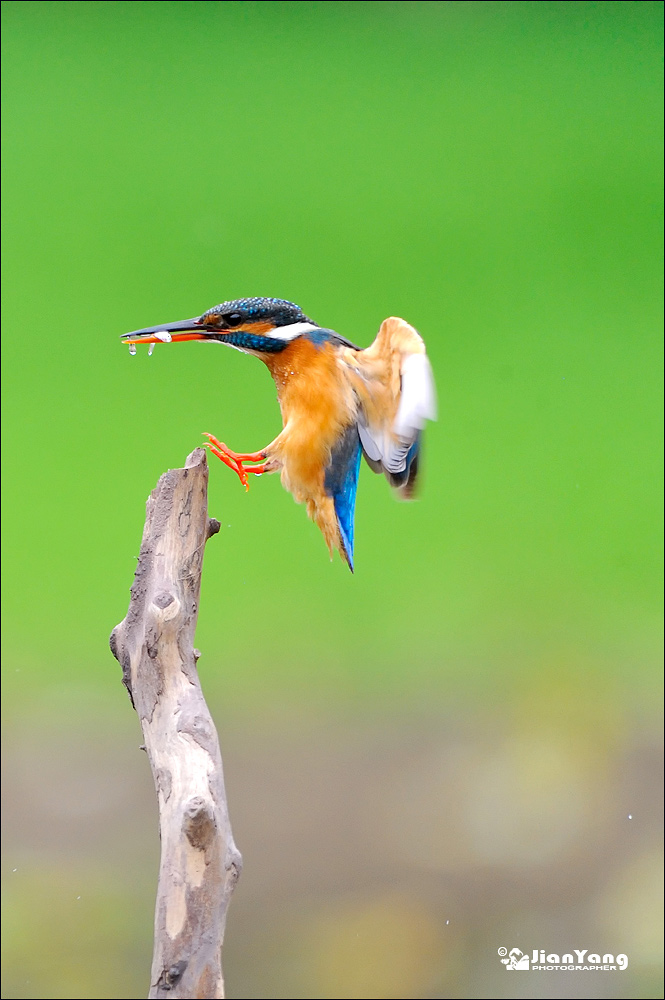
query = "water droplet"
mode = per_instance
[
  {"x": 164, "y": 336},
  {"x": 132, "y": 348},
  {"x": 447, "y": 922},
  {"x": 630, "y": 815},
  {"x": 151, "y": 349}
]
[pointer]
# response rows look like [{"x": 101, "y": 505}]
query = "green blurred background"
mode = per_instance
[{"x": 458, "y": 748}]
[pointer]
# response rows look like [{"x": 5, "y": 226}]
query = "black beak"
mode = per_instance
[{"x": 184, "y": 329}]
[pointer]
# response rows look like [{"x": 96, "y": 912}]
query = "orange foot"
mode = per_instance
[{"x": 235, "y": 460}]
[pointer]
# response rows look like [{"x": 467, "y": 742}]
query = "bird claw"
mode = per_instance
[{"x": 234, "y": 460}]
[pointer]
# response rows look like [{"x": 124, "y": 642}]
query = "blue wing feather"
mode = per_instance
[{"x": 341, "y": 483}]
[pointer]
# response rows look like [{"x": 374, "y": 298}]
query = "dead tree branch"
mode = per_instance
[{"x": 154, "y": 645}]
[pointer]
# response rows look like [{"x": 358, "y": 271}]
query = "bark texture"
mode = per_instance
[{"x": 155, "y": 647}]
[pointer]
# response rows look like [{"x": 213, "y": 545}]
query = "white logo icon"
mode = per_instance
[{"x": 515, "y": 960}]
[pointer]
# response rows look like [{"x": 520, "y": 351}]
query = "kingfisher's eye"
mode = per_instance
[{"x": 233, "y": 319}]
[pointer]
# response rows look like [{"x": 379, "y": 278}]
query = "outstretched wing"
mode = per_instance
[{"x": 400, "y": 398}]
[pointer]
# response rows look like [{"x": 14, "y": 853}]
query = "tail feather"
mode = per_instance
[
  {"x": 406, "y": 482},
  {"x": 341, "y": 483}
]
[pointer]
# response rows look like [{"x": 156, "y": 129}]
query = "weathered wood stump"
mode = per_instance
[{"x": 154, "y": 645}]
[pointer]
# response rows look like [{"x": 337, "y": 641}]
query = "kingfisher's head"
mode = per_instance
[{"x": 258, "y": 326}]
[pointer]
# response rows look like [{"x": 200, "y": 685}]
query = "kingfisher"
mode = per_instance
[{"x": 338, "y": 402}]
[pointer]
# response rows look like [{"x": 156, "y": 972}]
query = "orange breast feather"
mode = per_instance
[{"x": 317, "y": 404}]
